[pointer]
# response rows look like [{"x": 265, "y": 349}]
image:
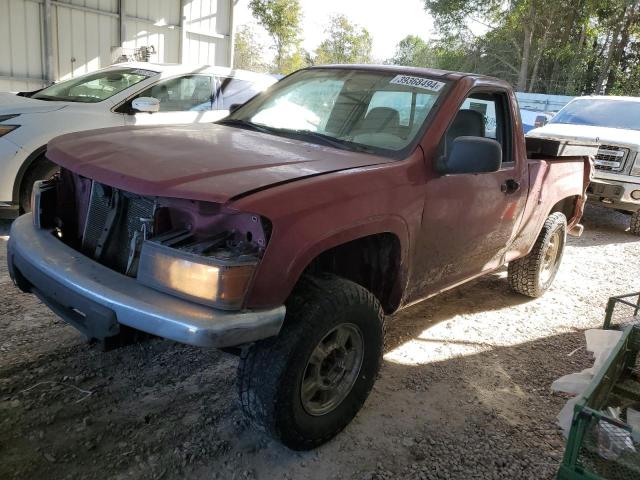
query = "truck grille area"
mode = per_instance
[
  {"x": 611, "y": 158},
  {"x": 115, "y": 226}
]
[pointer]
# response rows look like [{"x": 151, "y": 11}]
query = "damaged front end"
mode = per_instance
[{"x": 198, "y": 251}]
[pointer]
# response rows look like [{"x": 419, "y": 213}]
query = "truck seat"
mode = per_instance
[{"x": 467, "y": 123}]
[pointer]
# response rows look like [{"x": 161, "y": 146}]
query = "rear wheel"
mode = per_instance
[
  {"x": 41, "y": 169},
  {"x": 305, "y": 385},
  {"x": 635, "y": 223},
  {"x": 533, "y": 275}
]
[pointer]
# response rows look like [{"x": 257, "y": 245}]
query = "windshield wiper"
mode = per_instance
[
  {"x": 236, "y": 122},
  {"x": 328, "y": 140},
  {"x": 321, "y": 138}
]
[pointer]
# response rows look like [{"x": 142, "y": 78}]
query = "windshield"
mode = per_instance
[
  {"x": 94, "y": 87},
  {"x": 349, "y": 109},
  {"x": 623, "y": 114}
]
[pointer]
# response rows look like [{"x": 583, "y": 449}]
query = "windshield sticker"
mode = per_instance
[
  {"x": 144, "y": 73},
  {"x": 420, "y": 82}
]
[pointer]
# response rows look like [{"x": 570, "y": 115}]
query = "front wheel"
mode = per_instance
[
  {"x": 42, "y": 169},
  {"x": 305, "y": 385},
  {"x": 532, "y": 275}
]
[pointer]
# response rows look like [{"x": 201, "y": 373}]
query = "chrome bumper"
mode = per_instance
[
  {"x": 95, "y": 299},
  {"x": 614, "y": 193}
]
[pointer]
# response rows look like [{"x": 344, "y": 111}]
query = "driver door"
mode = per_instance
[
  {"x": 186, "y": 99},
  {"x": 470, "y": 219}
]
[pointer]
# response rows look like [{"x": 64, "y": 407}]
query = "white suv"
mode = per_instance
[{"x": 123, "y": 94}]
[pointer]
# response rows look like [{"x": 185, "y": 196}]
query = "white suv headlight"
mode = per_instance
[{"x": 4, "y": 129}]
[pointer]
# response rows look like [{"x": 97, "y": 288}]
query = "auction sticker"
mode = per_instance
[{"x": 420, "y": 82}]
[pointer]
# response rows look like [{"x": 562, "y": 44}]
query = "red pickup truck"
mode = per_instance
[{"x": 288, "y": 230}]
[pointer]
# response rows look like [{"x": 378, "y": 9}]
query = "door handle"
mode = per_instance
[{"x": 510, "y": 186}]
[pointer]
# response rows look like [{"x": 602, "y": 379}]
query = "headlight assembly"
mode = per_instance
[
  {"x": 4, "y": 129},
  {"x": 217, "y": 282}
]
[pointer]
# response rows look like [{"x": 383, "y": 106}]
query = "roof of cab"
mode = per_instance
[{"x": 400, "y": 69}]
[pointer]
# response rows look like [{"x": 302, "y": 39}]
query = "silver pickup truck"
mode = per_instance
[{"x": 613, "y": 123}]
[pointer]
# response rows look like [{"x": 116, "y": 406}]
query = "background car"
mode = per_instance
[
  {"x": 612, "y": 123},
  {"x": 533, "y": 119},
  {"x": 166, "y": 94}
]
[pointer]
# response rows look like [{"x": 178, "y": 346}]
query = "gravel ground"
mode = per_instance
[{"x": 464, "y": 391}]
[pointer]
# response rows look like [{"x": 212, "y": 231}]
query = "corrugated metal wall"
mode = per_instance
[
  {"x": 208, "y": 29},
  {"x": 83, "y": 39},
  {"x": 86, "y": 35},
  {"x": 161, "y": 30},
  {"x": 21, "y": 60}
]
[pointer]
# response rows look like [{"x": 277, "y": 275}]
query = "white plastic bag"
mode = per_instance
[
  {"x": 600, "y": 343},
  {"x": 574, "y": 383}
]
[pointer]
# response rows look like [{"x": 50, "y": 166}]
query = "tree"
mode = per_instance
[
  {"x": 345, "y": 43},
  {"x": 281, "y": 19},
  {"x": 413, "y": 51},
  {"x": 248, "y": 51},
  {"x": 551, "y": 46},
  {"x": 300, "y": 58}
]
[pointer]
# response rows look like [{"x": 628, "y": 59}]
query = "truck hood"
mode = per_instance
[
  {"x": 587, "y": 133},
  {"x": 206, "y": 162},
  {"x": 11, "y": 104}
]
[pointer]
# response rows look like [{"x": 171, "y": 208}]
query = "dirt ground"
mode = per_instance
[{"x": 464, "y": 391}]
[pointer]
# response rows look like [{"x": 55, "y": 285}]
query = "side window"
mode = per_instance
[
  {"x": 235, "y": 90},
  {"x": 492, "y": 111},
  {"x": 182, "y": 94}
]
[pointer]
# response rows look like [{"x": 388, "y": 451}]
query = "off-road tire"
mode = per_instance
[
  {"x": 42, "y": 169},
  {"x": 270, "y": 371},
  {"x": 525, "y": 273},
  {"x": 635, "y": 223}
]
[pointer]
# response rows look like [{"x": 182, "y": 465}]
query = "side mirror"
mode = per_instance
[
  {"x": 146, "y": 104},
  {"x": 472, "y": 155},
  {"x": 234, "y": 106}
]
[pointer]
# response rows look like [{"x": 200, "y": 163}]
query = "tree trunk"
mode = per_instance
[
  {"x": 524, "y": 63},
  {"x": 613, "y": 42},
  {"x": 542, "y": 45},
  {"x": 632, "y": 15}
]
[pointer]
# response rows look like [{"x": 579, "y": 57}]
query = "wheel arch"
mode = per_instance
[
  {"x": 373, "y": 261},
  {"x": 24, "y": 168},
  {"x": 372, "y": 254},
  {"x": 569, "y": 206}
]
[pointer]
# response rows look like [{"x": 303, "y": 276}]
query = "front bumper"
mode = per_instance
[
  {"x": 614, "y": 194},
  {"x": 96, "y": 299}
]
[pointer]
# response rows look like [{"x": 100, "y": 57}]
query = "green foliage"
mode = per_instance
[
  {"x": 248, "y": 51},
  {"x": 281, "y": 19},
  {"x": 413, "y": 51},
  {"x": 345, "y": 43},
  {"x": 550, "y": 46},
  {"x": 300, "y": 58}
]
